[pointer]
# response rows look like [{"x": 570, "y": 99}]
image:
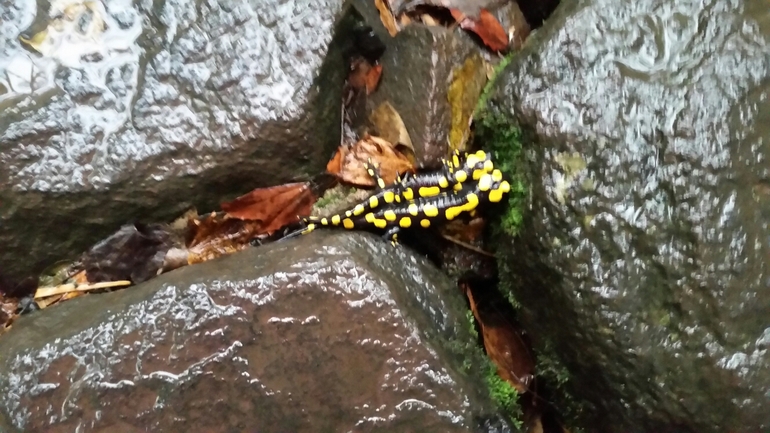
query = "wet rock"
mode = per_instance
[
  {"x": 417, "y": 70},
  {"x": 330, "y": 332},
  {"x": 643, "y": 263},
  {"x": 140, "y": 110}
]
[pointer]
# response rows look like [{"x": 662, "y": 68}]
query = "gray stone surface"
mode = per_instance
[
  {"x": 329, "y": 332},
  {"x": 643, "y": 263},
  {"x": 165, "y": 105}
]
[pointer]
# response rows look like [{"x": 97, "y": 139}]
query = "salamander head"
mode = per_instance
[{"x": 492, "y": 186}]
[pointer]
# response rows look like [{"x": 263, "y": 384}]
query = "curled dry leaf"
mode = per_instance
[
  {"x": 353, "y": 159},
  {"x": 8, "y": 308},
  {"x": 217, "y": 235},
  {"x": 134, "y": 253},
  {"x": 504, "y": 345},
  {"x": 273, "y": 207},
  {"x": 486, "y": 27},
  {"x": 390, "y": 127},
  {"x": 386, "y": 16},
  {"x": 364, "y": 76}
]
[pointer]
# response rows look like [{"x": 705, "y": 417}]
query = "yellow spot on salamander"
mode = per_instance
[
  {"x": 348, "y": 223},
  {"x": 472, "y": 160},
  {"x": 485, "y": 183},
  {"x": 308, "y": 229},
  {"x": 478, "y": 173},
  {"x": 381, "y": 183},
  {"x": 497, "y": 194},
  {"x": 454, "y": 211},
  {"x": 359, "y": 209},
  {"x": 324, "y": 222},
  {"x": 408, "y": 194},
  {"x": 497, "y": 175},
  {"x": 425, "y": 223},
  {"x": 443, "y": 182},
  {"x": 370, "y": 217},
  {"x": 430, "y": 210},
  {"x": 380, "y": 223},
  {"x": 429, "y": 191},
  {"x": 489, "y": 166},
  {"x": 388, "y": 196},
  {"x": 461, "y": 176},
  {"x": 413, "y": 209},
  {"x": 398, "y": 199},
  {"x": 405, "y": 222},
  {"x": 455, "y": 160},
  {"x": 373, "y": 202},
  {"x": 389, "y": 215},
  {"x": 457, "y": 187},
  {"x": 481, "y": 155},
  {"x": 336, "y": 219},
  {"x": 348, "y": 213}
]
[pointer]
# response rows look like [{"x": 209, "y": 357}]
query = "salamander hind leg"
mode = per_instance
[{"x": 392, "y": 235}]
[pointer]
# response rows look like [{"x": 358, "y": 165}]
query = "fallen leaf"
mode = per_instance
[
  {"x": 504, "y": 345},
  {"x": 273, "y": 207},
  {"x": 8, "y": 308},
  {"x": 353, "y": 160},
  {"x": 390, "y": 127},
  {"x": 134, "y": 253},
  {"x": 217, "y": 235},
  {"x": 334, "y": 166},
  {"x": 486, "y": 27},
  {"x": 386, "y": 16},
  {"x": 373, "y": 78}
]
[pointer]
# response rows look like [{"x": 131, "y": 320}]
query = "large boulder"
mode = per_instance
[
  {"x": 330, "y": 332},
  {"x": 139, "y": 110},
  {"x": 642, "y": 263}
]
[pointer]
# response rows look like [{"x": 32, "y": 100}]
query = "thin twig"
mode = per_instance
[
  {"x": 44, "y": 292},
  {"x": 468, "y": 246}
]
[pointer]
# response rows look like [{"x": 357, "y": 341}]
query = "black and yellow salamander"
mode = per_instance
[
  {"x": 454, "y": 173},
  {"x": 407, "y": 203}
]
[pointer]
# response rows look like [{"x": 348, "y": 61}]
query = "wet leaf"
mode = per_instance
[
  {"x": 390, "y": 127},
  {"x": 364, "y": 76},
  {"x": 217, "y": 235},
  {"x": 504, "y": 345},
  {"x": 485, "y": 26},
  {"x": 8, "y": 308},
  {"x": 134, "y": 253},
  {"x": 373, "y": 78},
  {"x": 386, "y": 16},
  {"x": 353, "y": 158},
  {"x": 273, "y": 207}
]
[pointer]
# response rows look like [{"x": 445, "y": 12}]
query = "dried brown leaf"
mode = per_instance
[
  {"x": 386, "y": 16},
  {"x": 504, "y": 346},
  {"x": 216, "y": 235},
  {"x": 373, "y": 78},
  {"x": 272, "y": 207},
  {"x": 391, "y": 161},
  {"x": 485, "y": 26},
  {"x": 390, "y": 127}
]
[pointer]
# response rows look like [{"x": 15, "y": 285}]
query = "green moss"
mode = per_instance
[
  {"x": 504, "y": 395},
  {"x": 482, "y": 103}
]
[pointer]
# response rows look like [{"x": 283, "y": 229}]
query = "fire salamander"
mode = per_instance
[
  {"x": 423, "y": 200},
  {"x": 453, "y": 173}
]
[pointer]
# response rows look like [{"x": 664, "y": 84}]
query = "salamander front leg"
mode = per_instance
[
  {"x": 392, "y": 235},
  {"x": 373, "y": 169}
]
